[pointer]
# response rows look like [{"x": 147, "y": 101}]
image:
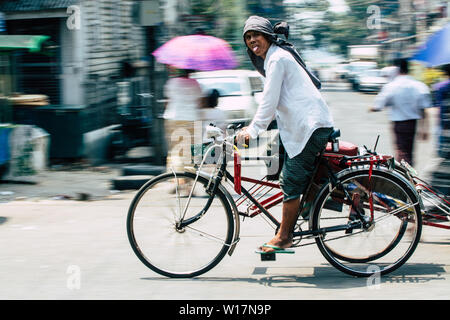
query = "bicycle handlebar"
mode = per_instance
[{"x": 214, "y": 132}]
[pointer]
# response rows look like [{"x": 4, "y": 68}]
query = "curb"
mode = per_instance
[
  {"x": 134, "y": 182},
  {"x": 135, "y": 176},
  {"x": 142, "y": 169}
]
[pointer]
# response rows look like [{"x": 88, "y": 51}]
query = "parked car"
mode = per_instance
[
  {"x": 355, "y": 68},
  {"x": 370, "y": 80},
  {"x": 341, "y": 71},
  {"x": 240, "y": 91}
]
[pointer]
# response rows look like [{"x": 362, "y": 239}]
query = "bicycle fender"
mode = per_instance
[
  {"x": 344, "y": 172},
  {"x": 395, "y": 173}
]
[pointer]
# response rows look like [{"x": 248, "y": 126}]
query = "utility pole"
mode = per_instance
[
  {"x": 405, "y": 16},
  {"x": 421, "y": 7}
]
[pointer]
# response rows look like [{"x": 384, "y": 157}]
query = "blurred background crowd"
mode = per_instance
[{"x": 78, "y": 79}]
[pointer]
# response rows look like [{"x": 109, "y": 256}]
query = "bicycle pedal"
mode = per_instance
[{"x": 268, "y": 256}]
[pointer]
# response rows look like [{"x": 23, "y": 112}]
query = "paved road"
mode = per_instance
[
  {"x": 79, "y": 250},
  {"x": 66, "y": 249}
]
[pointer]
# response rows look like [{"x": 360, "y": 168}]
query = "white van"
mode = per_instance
[{"x": 240, "y": 91}]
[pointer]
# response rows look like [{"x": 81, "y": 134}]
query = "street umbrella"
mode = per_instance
[
  {"x": 436, "y": 50},
  {"x": 197, "y": 52}
]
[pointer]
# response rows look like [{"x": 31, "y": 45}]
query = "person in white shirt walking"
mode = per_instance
[
  {"x": 303, "y": 118},
  {"x": 185, "y": 98},
  {"x": 408, "y": 99}
]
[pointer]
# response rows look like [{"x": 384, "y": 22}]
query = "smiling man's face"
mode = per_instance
[{"x": 256, "y": 42}]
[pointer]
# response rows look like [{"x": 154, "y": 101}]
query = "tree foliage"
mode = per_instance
[{"x": 339, "y": 30}]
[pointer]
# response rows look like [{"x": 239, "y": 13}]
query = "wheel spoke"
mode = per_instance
[
  {"x": 206, "y": 235},
  {"x": 167, "y": 249}
]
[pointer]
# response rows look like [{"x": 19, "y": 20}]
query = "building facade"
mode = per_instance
[{"x": 92, "y": 47}]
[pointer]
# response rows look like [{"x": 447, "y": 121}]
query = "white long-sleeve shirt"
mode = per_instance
[
  {"x": 290, "y": 97},
  {"x": 406, "y": 97}
]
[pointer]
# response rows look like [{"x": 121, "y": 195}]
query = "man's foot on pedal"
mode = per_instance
[
  {"x": 273, "y": 249},
  {"x": 276, "y": 245}
]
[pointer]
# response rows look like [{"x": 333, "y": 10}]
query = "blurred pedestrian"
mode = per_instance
[
  {"x": 304, "y": 121},
  {"x": 185, "y": 97},
  {"x": 441, "y": 99},
  {"x": 440, "y": 95},
  {"x": 408, "y": 98}
]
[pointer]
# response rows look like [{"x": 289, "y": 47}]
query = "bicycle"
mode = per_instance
[
  {"x": 365, "y": 219},
  {"x": 434, "y": 204}
]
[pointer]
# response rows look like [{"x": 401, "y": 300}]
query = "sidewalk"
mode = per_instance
[
  {"x": 83, "y": 181},
  {"x": 76, "y": 182}
]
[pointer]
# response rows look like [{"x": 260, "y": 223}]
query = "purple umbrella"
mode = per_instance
[{"x": 196, "y": 52}]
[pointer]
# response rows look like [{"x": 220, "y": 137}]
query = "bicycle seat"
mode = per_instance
[
  {"x": 334, "y": 135},
  {"x": 345, "y": 148},
  {"x": 341, "y": 147}
]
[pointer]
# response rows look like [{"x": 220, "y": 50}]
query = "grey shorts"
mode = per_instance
[{"x": 297, "y": 171}]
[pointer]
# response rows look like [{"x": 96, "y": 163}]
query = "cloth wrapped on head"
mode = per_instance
[{"x": 263, "y": 25}]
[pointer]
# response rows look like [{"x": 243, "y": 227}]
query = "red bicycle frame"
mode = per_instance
[{"x": 335, "y": 162}]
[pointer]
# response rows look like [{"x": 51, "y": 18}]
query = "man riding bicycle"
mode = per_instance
[{"x": 303, "y": 118}]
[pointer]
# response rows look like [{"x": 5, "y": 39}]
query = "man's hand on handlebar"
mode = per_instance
[{"x": 242, "y": 137}]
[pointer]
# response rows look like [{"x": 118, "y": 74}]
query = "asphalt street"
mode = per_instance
[{"x": 56, "y": 247}]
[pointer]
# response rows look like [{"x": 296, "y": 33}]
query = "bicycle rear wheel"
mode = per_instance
[
  {"x": 171, "y": 251},
  {"x": 373, "y": 246}
]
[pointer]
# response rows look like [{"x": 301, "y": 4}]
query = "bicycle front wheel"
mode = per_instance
[
  {"x": 382, "y": 236},
  {"x": 179, "y": 252}
]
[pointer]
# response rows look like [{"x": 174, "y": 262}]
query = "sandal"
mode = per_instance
[{"x": 275, "y": 249}]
